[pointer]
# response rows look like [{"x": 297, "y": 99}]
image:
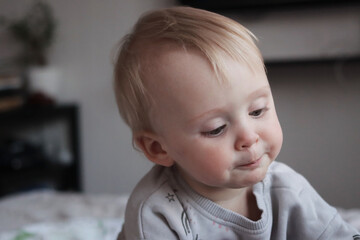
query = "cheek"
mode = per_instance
[
  {"x": 215, "y": 163},
  {"x": 205, "y": 160},
  {"x": 214, "y": 158},
  {"x": 275, "y": 139},
  {"x": 205, "y": 156}
]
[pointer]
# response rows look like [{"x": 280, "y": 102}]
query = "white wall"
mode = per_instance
[
  {"x": 319, "y": 114},
  {"x": 299, "y": 33},
  {"x": 88, "y": 34}
]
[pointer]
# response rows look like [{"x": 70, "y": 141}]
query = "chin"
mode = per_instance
[{"x": 255, "y": 177}]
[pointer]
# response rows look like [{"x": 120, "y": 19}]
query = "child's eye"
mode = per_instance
[
  {"x": 258, "y": 112},
  {"x": 216, "y": 132}
]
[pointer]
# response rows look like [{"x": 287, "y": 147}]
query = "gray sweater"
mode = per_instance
[{"x": 163, "y": 206}]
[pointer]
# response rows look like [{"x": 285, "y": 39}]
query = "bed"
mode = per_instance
[{"x": 52, "y": 215}]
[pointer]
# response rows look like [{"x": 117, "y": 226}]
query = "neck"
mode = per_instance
[
  {"x": 239, "y": 200},
  {"x": 243, "y": 203}
]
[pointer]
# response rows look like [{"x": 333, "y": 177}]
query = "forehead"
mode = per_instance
[
  {"x": 169, "y": 65},
  {"x": 182, "y": 83},
  {"x": 175, "y": 69}
]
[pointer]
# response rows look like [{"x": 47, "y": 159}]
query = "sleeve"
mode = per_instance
[
  {"x": 323, "y": 217},
  {"x": 339, "y": 229},
  {"x": 301, "y": 213}
]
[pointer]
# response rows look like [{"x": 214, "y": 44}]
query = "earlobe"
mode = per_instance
[{"x": 153, "y": 149}]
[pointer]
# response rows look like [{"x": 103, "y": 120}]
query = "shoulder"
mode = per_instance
[
  {"x": 149, "y": 185},
  {"x": 148, "y": 207},
  {"x": 290, "y": 187},
  {"x": 282, "y": 176},
  {"x": 149, "y": 192}
]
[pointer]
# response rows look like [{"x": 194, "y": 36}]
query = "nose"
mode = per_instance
[{"x": 245, "y": 138}]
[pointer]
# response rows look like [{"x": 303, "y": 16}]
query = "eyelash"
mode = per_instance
[
  {"x": 218, "y": 131},
  {"x": 258, "y": 113},
  {"x": 215, "y": 132}
]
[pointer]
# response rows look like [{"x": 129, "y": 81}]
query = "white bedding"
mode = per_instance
[
  {"x": 53, "y": 216},
  {"x": 89, "y": 229},
  {"x": 69, "y": 216}
]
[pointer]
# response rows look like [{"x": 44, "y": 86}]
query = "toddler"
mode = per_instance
[{"x": 192, "y": 87}]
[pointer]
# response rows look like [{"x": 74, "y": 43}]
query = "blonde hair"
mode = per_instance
[{"x": 210, "y": 33}]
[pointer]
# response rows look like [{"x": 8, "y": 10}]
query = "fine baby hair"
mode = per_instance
[{"x": 188, "y": 28}]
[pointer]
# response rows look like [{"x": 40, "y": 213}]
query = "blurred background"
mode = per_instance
[{"x": 312, "y": 54}]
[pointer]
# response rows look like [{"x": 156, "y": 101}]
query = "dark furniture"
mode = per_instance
[
  {"x": 256, "y": 5},
  {"x": 27, "y": 164}
]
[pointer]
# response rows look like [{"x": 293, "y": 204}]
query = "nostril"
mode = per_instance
[{"x": 246, "y": 143}]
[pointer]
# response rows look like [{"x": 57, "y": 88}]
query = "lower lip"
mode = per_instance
[{"x": 251, "y": 165}]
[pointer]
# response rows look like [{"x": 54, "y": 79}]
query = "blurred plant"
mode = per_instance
[{"x": 35, "y": 31}]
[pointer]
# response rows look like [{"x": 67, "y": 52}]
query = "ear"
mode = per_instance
[{"x": 153, "y": 149}]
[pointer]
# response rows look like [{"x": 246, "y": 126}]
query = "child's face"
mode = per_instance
[{"x": 219, "y": 135}]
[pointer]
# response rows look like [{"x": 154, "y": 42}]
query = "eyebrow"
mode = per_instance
[{"x": 261, "y": 92}]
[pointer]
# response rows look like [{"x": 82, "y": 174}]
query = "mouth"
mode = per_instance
[{"x": 252, "y": 164}]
